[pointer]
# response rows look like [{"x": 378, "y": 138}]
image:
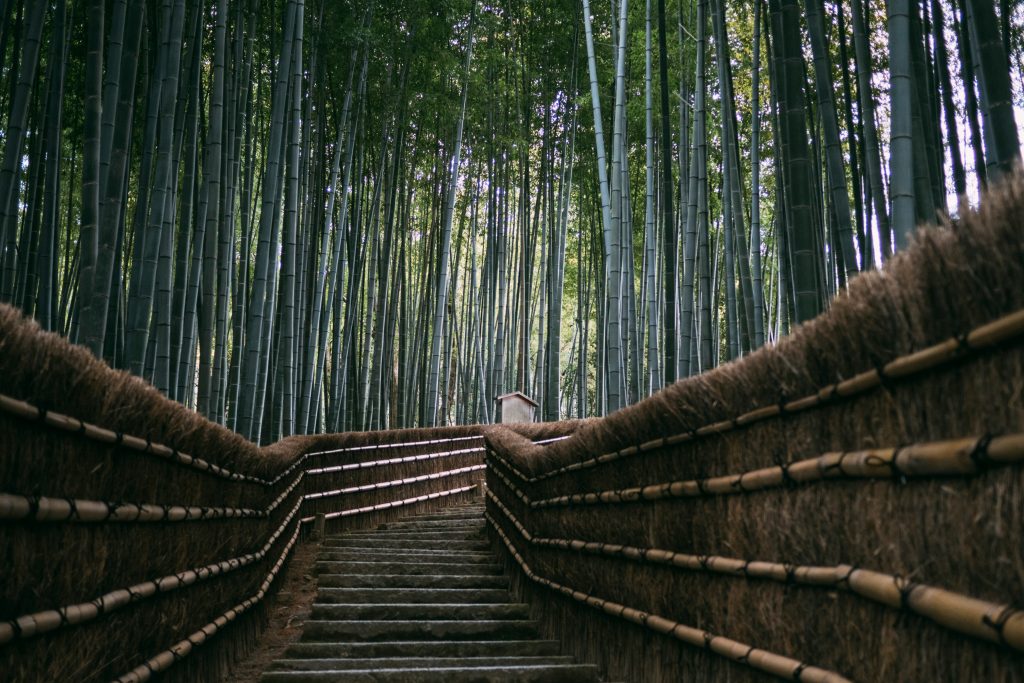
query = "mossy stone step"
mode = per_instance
[
  {"x": 411, "y": 595},
  {"x": 371, "y": 630},
  {"x": 421, "y": 611}
]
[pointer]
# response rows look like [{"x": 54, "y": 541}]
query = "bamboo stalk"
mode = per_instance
[
  {"x": 985, "y": 337},
  {"x": 998, "y": 623},
  {"x": 762, "y": 660},
  {"x": 45, "y": 621}
]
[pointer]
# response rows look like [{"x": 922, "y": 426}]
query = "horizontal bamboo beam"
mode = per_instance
[
  {"x": 997, "y": 623},
  {"x": 169, "y": 657},
  {"x": 45, "y": 621},
  {"x": 65, "y": 423},
  {"x": 392, "y": 504},
  {"x": 397, "y": 482},
  {"x": 955, "y": 457},
  {"x": 778, "y": 665},
  {"x": 980, "y": 339},
  {"x": 373, "y": 463},
  {"x": 57, "y": 509},
  {"x": 393, "y": 461},
  {"x": 401, "y": 444}
]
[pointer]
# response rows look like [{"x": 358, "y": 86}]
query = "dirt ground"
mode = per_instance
[{"x": 291, "y": 608}]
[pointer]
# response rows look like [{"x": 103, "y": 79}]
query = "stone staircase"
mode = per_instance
[{"x": 420, "y": 600}]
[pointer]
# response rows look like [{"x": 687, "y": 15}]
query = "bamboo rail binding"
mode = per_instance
[
  {"x": 997, "y": 623},
  {"x": 985, "y": 337},
  {"x": 762, "y": 660},
  {"x": 955, "y": 457}
]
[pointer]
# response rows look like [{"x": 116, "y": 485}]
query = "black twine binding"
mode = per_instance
[
  {"x": 798, "y": 672},
  {"x": 782, "y": 405},
  {"x": 979, "y": 454},
  {"x": 787, "y": 478},
  {"x": 846, "y": 579},
  {"x": 897, "y": 472},
  {"x": 745, "y": 657},
  {"x": 790, "y": 573},
  {"x": 837, "y": 466},
  {"x": 73, "y": 512},
  {"x": 905, "y": 587},
  {"x": 883, "y": 377},
  {"x": 708, "y": 637},
  {"x": 999, "y": 623},
  {"x": 963, "y": 346}
]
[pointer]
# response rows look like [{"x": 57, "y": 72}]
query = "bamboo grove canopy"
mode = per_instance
[{"x": 298, "y": 216}]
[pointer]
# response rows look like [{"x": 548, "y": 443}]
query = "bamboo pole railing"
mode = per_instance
[
  {"x": 27, "y": 411},
  {"x": 55, "y": 509},
  {"x": 392, "y": 461},
  {"x": 954, "y": 457},
  {"x": 769, "y": 662},
  {"x": 390, "y": 484},
  {"x": 182, "y": 649},
  {"x": 400, "y": 444},
  {"x": 45, "y": 621},
  {"x": 997, "y": 623},
  {"x": 392, "y": 504},
  {"x": 983, "y": 338},
  {"x": 56, "y": 420},
  {"x": 62, "y": 509}
]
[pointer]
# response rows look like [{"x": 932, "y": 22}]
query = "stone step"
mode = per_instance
[
  {"x": 556, "y": 673},
  {"x": 386, "y": 567},
  {"x": 420, "y": 611},
  {"x": 421, "y": 535},
  {"x": 371, "y": 630},
  {"x": 427, "y": 525},
  {"x": 342, "y": 664},
  {"x": 428, "y": 648},
  {"x": 404, "y": 555},
  {"x": 379, "y": 542},
  {"x": 411, "y": 581},
  {"x": 346, "y": 596},
  {"x": 469, "y": 515}
]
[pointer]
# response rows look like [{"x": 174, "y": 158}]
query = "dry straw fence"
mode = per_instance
[
  {"x": 132, "y": 531},
  {"x": 848, "y": 505}
]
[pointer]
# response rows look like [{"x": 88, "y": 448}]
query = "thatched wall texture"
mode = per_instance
[
  {"x": 46, "y": 565},
  {"x": 960, "y": 533}
]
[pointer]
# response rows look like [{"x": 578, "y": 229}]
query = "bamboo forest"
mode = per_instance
[{"x": 298, "y": 216}]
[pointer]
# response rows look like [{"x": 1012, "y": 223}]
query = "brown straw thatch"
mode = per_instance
[
  {"x": 718, "y": 503},
  {"x": 89, "y": 589}
]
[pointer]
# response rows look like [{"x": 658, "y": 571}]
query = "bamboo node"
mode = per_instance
[{"x": 798, "y": 672}]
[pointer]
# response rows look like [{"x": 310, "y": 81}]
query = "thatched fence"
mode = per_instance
[
  {"x": 848, "y": 505},
  {"x": 132, "y": 531}
]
